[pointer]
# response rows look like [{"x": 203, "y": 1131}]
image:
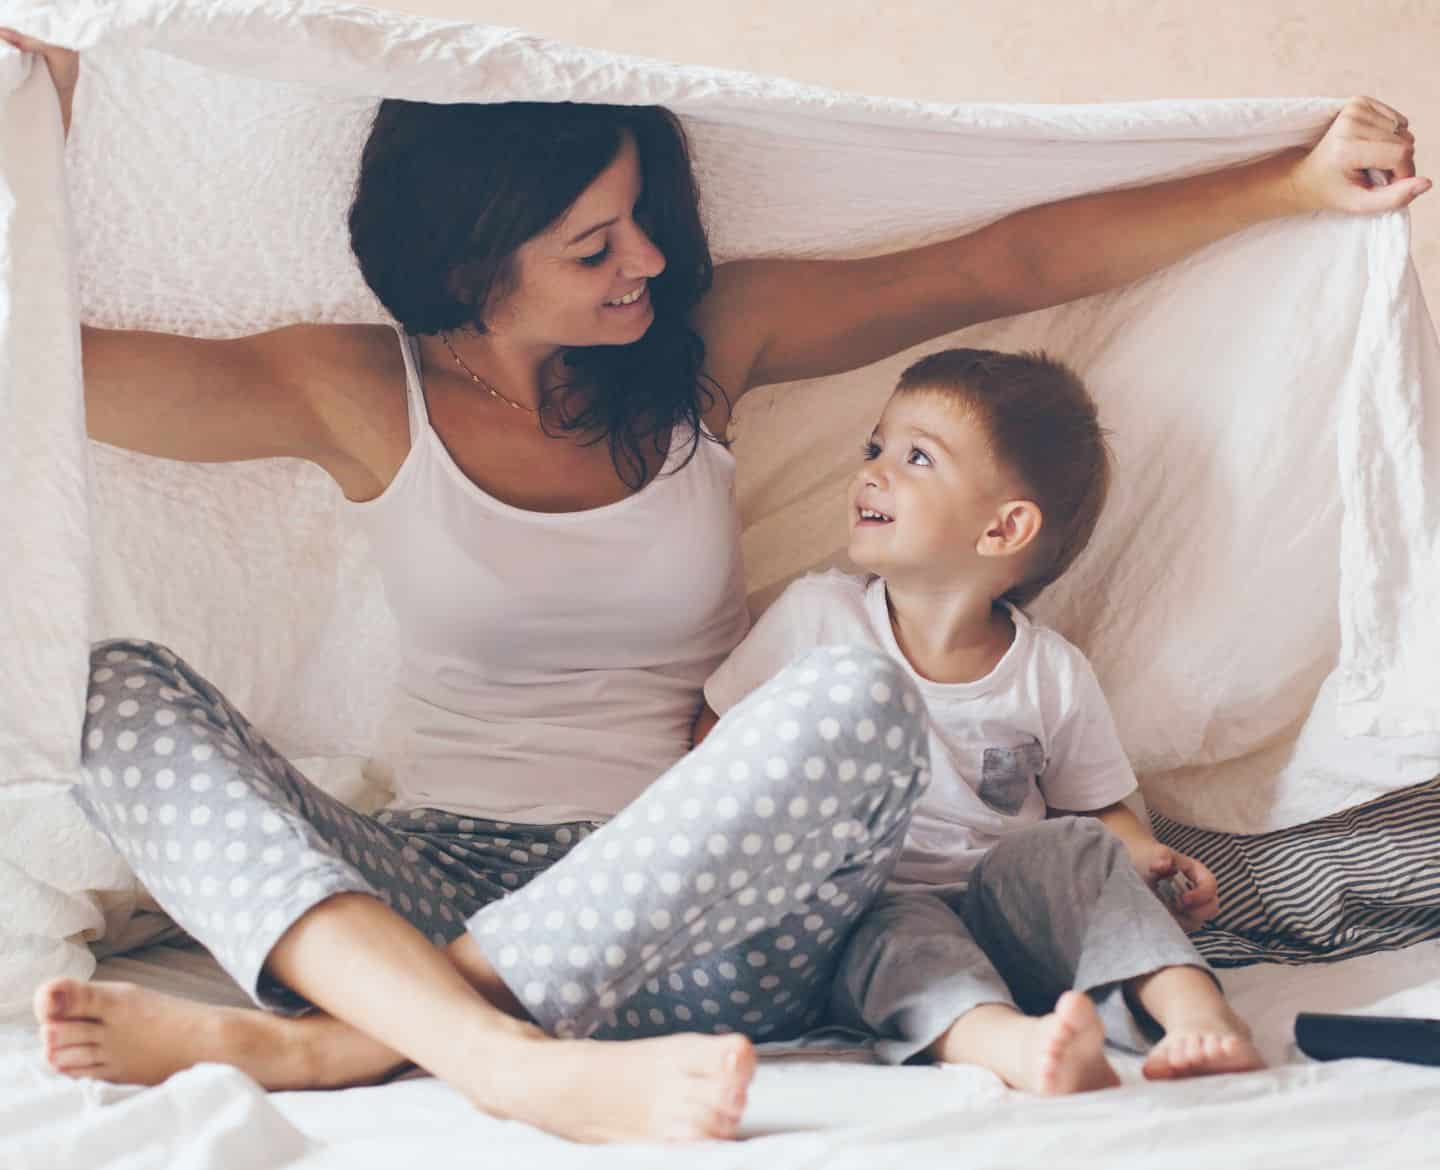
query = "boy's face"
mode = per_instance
[{"x": 926, "y": 493}]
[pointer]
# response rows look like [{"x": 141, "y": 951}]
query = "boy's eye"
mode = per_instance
[
  {"x": 919, "y": 458},
  {"x": 871, "y": 449},
  {"x": 595, "y": 258}
]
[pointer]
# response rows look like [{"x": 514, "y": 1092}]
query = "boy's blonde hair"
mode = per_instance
[{"x": 1043, "y": 427}]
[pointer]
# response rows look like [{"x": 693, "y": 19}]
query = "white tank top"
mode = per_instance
[{"x": 551, "y": 663}]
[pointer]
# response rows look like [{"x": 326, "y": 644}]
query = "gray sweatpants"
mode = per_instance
[
  {"x": 717, "y": 901},
  {"x": 1052, "y": 908}
]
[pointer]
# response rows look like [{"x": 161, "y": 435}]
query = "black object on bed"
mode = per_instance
[{"x": 1335, "y": 1037}]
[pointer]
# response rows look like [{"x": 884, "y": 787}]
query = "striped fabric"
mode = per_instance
[{"x": 1363, "y": 880}]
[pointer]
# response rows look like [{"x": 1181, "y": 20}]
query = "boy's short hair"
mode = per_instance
[{"x": 1044, "y": 428}]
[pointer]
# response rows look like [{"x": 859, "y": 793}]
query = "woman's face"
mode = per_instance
[{"x": 585, "y": 280}]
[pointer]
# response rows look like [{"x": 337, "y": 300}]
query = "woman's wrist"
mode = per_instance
[
  {"x": 64, "y": 66},
  {"x": 65, "y": 72},
  {"x": 1276, "y": 189}
]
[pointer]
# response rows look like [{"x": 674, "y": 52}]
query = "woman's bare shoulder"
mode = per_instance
[{"x": 354, "y": 378}]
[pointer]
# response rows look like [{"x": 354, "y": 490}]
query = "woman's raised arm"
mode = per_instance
[
  {"x": 64, "y": 67},
  {"x": 208, "y": 401},
  {"x": 199, "y": 400},
  {"x": 779, "y": 321}
]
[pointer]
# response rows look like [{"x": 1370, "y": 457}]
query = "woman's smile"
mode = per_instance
[{"x": 635, "y": 301}]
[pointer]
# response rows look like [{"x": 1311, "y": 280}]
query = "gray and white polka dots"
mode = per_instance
[
  {"x": 718, "y": 899},
  {"x": 715, "y": 902}
]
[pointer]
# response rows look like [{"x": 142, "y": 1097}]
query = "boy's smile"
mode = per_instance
[{"x": 926, "y": 491}]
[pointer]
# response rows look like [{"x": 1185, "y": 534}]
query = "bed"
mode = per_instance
[{"x": 830, "y": 1109}]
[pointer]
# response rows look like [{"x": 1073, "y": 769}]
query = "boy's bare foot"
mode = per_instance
[
  {"x": 1202, "y": 1046},
  {"x": 134, "y": 1036},
  {"x": 1053, "y": 1055},
  {"x": 676, "y": 1088},
  {"x": 1069, "y": 1049}
]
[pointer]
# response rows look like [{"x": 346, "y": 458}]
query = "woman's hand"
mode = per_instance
[
  {"x": 64, "y": 67},
  {"x": 1366, "y": 136},
  {"x": 1156, "y": 862}
]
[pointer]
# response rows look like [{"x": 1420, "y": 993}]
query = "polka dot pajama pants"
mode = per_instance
[{"x": 718, "y": 901}]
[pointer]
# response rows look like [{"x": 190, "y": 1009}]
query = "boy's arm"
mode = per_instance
[
  {"x": 1088, "y": 774},
  {"x": 1156, "y": 862},
  {"x": 704, "y": 723}
]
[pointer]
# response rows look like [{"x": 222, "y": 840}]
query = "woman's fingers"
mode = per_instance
[
  {"x": 64, "y": 66},
  {"x": 1366, "y": 137},
  {"x": 1390, "y": 114}
]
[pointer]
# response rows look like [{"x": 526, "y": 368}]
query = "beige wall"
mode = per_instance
[{"x": 1036, "y": 50}]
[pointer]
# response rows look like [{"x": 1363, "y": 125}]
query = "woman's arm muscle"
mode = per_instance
[{"x": 209, "y": 401}]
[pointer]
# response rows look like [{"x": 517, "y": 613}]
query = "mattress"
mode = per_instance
[{"x": 828, "y": 1108}]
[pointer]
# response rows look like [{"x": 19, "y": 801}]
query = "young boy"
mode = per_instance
[{"x": 1003, "y": 926}]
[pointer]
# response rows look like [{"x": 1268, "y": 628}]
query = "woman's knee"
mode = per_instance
[
  {"x": 841, "y": 724},
  {"x": 125, "y": 675},
  {"x": 849, "y": 702}
]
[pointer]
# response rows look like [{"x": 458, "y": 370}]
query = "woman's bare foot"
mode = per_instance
[
  {"x": 1053, "y": 1055},
  {"x": 1202, "y": 1046},
  {"x": 670, "y": 1089},
  {"x": 131, "y": 1035},
  {"x": 676, "y": 1088}
]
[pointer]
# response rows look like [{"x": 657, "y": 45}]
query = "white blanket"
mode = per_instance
[
  {"x": 1273, "y": 399},
  {"x": 802, "y": 1112}
]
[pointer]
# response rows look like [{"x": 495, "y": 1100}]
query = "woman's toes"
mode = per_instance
[
  {"x": 70, "y": 999},
  {"x": 76, "y": 1061},
  {"x": 52, "y": 999},
  {"x": 739, "y": 1054},
  {"x": 70, "y": 1034}
]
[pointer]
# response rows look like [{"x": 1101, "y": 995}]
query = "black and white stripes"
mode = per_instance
[{"x": 1362, "y": 880}]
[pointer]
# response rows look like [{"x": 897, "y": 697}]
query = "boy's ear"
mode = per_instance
[{"x": 1012, "y": 529}]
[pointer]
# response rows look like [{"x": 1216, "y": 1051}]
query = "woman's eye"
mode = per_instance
[
  {"x": 595, "y": 258},
  {"x": 919, "y": 458},
  {"x": 871, "y": 450}
]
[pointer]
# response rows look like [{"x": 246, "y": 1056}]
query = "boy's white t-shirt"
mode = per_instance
[{"x": 1035, "y": 733}]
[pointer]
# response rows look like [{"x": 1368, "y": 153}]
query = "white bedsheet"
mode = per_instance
[{"x": 804, "y": 1111}]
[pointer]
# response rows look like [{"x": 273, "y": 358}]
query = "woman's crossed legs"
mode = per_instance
[{"x": 715, "y": 902}]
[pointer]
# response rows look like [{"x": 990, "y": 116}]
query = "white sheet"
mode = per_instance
[
  {"x": 803, "y": 1111},
  {"x": 1273, "y": 398}
]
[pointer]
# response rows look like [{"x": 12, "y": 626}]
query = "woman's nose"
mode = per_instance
[{"x": 642, "y": 258}]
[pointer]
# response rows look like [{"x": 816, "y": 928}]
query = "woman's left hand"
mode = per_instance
[{"x": 1366, "y": 136}]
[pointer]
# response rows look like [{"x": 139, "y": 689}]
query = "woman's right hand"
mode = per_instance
[{"x": 64, "y": 67}]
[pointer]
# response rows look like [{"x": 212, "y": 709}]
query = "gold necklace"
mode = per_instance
[{"x": 479, "y": 381}]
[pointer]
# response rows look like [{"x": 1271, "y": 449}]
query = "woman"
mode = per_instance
[{"x": 548, "y": 420}]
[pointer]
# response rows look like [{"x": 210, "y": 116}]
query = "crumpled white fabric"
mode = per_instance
[{"x": 1273, "y": 399}]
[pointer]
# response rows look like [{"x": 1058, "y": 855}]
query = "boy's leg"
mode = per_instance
[
  {"x": 1203, "y": 1034},
  {"x": 913, "y": 974},
  {"x": 910, "y": 970},
  {"x": 1060, "y": 907}
]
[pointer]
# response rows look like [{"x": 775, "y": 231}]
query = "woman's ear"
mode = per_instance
[{"x": 1012, "y": 529}]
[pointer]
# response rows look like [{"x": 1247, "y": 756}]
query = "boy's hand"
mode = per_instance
[{"x": 1156, "y": 862}]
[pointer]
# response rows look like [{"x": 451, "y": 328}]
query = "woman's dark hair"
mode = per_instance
[{"x": 448, "y": 193}]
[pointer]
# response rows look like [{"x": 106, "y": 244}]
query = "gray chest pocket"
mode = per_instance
[{"x": 1007, "y": 775}]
